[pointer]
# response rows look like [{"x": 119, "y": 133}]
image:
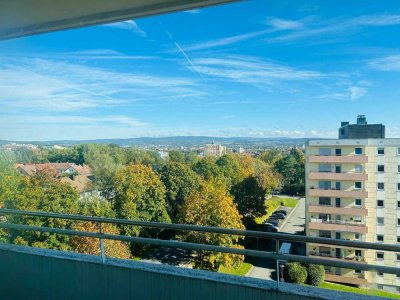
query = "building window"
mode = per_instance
[
  {"x": 326, "y": 168},
  {"x": 358, "y": 151},
  {"x": 357, "y": 253},
  {"x": 379, "y": 238},
  {"x": 398, "y": 239},
  {"x": 380, "y": 274},
  {"x": 398, "y": 186},
  {"x": 398, "y": 204},
  {"x": 379, "y": 286},
  {"x": 398, "y": 256},
  {"x": 324, "y": 151},
  {"x": 398, "y": 151},
  {"x": 338, "y": 152},
  {"x": 380, "y": 221},
  {"x": 324, "y": 201},
  {"x": 358, "y": 202},
  {"x": 338, "y": 236},
  {"x": 358, "y": 168},
  {"x": 357, "y": 236},
  {"x": 398, "y": 222},
  {"x": 381, "y": 168},
  {"x": 357, "y": 272},
  {"x": 381, "y": 151},
  {"x": 357, "y": 219},
  {"x": 380, "y": 203},
  {"x": 324, "y": 234},
  {"x": 380, "y": 255},
  {"x": 358, "y": 184},
  {"x": 381, "y": 186}
]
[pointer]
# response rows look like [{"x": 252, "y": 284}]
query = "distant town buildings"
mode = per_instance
[
  {"x": 163, "y": 154},
  {"x": 78, "y": 176},
  {"x": 353, "y": 193},
  {"x": 15, "y": 146},
  {"x": 215, "y": 150}
]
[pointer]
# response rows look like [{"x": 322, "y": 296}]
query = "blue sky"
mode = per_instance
[{"x": 255, "y": 68}]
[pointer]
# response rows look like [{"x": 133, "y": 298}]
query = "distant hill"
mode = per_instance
[{"x": 177, "y": 141}]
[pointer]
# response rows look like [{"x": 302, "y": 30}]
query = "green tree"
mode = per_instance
[
  {"x": 176, "y": 156},
  {"x": 180, "y": 181},
  {"x": 140, "y": 195},
  {"x": 292, "y": 169},
  {"x": 207, "y": 168},
  {"x": 211, "y": 205},
  {"x": 271, "y": 156},
  {"x": 43, "y": 193},
  {"x": 230, "y": 169},
  {"x": 250, "y": 194}
]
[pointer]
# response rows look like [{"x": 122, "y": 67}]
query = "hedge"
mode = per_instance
[
  {"x": 315, "y": 274},
  {"x": 295, "y": 272}
]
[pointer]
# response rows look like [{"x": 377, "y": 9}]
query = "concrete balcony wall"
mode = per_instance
[
  {"x": 338, "y": 227},
  {"x": 324, "y": 209},
  {"x": 30, "y": 273},
  {"x": 351, "y": 159},
  {"x": 338, "y": 193},
  {"x": 338, "y": 176}
]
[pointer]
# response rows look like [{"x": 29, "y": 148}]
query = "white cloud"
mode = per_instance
[
  {"x": 251, "y": 70},
  {"x": 357, "y": 92},
  {"x": 388, "y": 63},
  {"x": 61, "y": 86},
  {"x": 282, "y": 24},
  {"x": 127, "y": 25}
]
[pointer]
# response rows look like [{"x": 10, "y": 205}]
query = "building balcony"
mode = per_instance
[
  {"x": 353, "y": 258},
  {"x": 358, "y": 194},
  {"x": 336, "y": 225},
  {"x": 338, "y": 176},
  {"x": 355, "y": 280},
  {"x": 350, "y": 159},
  {"x": 347, "y": 211}
]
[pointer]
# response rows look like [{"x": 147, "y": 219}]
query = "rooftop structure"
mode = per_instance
[{"x": 361, "y": 130}]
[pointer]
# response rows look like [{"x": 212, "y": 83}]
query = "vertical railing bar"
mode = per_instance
[
  {"x": 277, "y": 265},
  {"x": 102, "y": 252}
]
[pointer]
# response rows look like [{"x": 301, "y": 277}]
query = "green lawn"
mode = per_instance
[
  {"x": 273, "y": 204},
  {"x": 345, "y": 288},
  {"x": 240, "y": 271}
]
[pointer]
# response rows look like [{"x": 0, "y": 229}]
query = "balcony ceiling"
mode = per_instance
[{"x": 27, "y": 17}]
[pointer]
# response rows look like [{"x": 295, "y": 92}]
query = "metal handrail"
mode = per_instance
[
  {"x": 195, "y": 246},
  {"x": 208, "y": 229}
]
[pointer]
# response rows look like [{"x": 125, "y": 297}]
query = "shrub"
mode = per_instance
[
  {"x": 315, "y": 275},
  {"x": 295, "y": 272}
]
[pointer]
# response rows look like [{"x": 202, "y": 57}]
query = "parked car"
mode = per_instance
[
  {"x": 281, "y": 211},
  {"x": 279, "y": 216},
  {"x": 270, "y": 227},
  {"x": 274, "y": 222}
]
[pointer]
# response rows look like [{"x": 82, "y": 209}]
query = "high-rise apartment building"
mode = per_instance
[
  {"x": 215, "y": 149},
  {"x": 353, "y": 193}
]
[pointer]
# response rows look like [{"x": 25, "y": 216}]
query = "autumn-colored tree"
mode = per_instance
[
  {"x": 211, "y": 205},
  {"x": 140, "y": 195},
  {"x": 43, "y": 193},
  {"x": 179, "y": 181},
  {"x": 95, "y": 207},
  {"x": 250, "y": 194}
]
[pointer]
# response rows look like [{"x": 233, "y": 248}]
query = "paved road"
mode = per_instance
[
  {"x": 296, "y": 221},
  {"x": 265, "y": 269}
]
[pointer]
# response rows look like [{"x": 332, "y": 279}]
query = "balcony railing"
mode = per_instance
[
  {"x": 358, "y": 159},
  {"x": 338, "y": 193},
  {"x": 345, "y": 176},
  {"x": 341, "y": 222},
  {"x": 277, "y": 237},
  {"x": 334, "y": 256},
  {"x": 334, "y": 210},
  {"x": 336, "y": 225}
]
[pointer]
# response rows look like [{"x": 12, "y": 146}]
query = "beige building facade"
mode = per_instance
[
  {"x": 353, "y": 193},
  {"x": 215, "y": 150}
]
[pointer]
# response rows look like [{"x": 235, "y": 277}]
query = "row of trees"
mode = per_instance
[{"x": 229, "y": 191}]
